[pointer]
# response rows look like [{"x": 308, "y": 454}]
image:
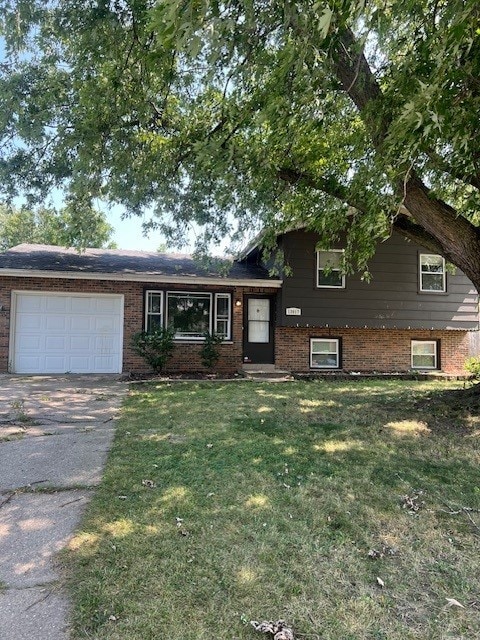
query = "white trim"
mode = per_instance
[
  {"x": 435, "y": 353},
  {"x": 229, "y": 314},
  {"x": 337, "y": 353},
  {"x": 329, "y": 286},
  {"x": 13, "y": 317},
  {"x": 421, "y": 273},
  {"x": 147, "y": 313},
  {"x": 141, "y": 277}
]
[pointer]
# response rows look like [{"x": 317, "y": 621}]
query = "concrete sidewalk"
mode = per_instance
[{"x": 55, "y": 433}]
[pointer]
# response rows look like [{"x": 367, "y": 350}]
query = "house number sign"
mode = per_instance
[{"x": 293, "y": 311}]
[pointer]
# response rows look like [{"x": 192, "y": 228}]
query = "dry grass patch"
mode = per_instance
[{"x": 224, "y": 503}]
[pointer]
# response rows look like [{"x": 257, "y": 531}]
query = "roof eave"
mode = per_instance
[{"x": 142, "y": 277}]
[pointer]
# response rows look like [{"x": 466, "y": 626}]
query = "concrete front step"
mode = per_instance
[{"x": 266, "y": 374}]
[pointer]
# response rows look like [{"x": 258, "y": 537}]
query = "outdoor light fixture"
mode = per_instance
[{"x": 238, "y": 303}]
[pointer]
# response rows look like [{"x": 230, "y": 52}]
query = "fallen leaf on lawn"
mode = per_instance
[
  {"x": 386, "y": 550},
  {"x": 149, "y": 483},
  {"x": 380, "y": 582},
  {"x": 279, "y": 630},
  {"x": 454, "y": 603}
]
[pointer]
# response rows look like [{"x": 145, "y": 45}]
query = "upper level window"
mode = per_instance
[
  {"x": 329, "y": 269},
  {"x": 432, "y": 273},
  {"x": 153, "y": 311}
]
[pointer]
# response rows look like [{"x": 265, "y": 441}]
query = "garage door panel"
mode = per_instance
[
  {"x": 56, "y": 304},
  {"x": 104, "y": 305},
  {"x": 82, "y": 323},
  {"x": 32, "y": 342},
  {"x": 80, "y": 343},
  {"x": 104, "y": 345},
  {"x": 103, "y": 362},
  {"x": 105, "y": 325},
  {"x": 55, "y": 343},
  {"x": 28, "y": 322},
  {"x": 32, "y": 305},
  {"x": 80, "y": 305},
  {"x": 54, "y": 363},
  {"x": 79, "y": 363},
  {"x": 60, "y": 333},
  {"x": 55, "y": 323},
  {"x": 32, "y": 363}
]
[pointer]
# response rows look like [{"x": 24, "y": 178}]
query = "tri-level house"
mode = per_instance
[{"x": 61, "y": 311}]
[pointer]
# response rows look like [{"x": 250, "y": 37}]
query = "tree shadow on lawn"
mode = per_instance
[{"x": 273, "y": 514}]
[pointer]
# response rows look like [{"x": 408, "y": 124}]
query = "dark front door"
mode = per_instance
[{"x": 258, "y": 330}]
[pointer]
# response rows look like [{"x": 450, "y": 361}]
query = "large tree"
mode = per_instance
[
  {"x": 64, "y": 227},
  {"x": 343, "y": 115}
]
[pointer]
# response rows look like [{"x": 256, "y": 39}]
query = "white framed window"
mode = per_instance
[
  {"x": 153, "y": 311},
  {"x": 324, "y": 353},
  {"x": 424, "y": 354},
  {"x": 223, "y": 315},
  {"x": 190, "y": 314},
  {"x": 329, "y": 269},
  {"x": 432, "y": 273}
]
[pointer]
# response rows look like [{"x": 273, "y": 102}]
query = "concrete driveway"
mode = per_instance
[{"x": 55, "y": 433}]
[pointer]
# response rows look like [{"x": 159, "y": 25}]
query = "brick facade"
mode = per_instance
[
  {"x": 362, "y": 349},
  {"x": 186, "y": 354},
  {"x": 366, "y": 350}
]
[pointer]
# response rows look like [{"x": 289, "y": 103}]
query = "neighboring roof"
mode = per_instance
[{"x": 118, "y": 264}]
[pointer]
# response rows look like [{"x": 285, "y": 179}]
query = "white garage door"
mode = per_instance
[{"x": 75, "y": 333}]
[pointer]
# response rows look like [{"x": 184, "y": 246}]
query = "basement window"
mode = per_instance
[
  {"x": 324, "y": 353},
  {"x": 424, "y": 354}
]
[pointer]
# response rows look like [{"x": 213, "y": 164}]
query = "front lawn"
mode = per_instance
[{"x": 227, "y": 502}]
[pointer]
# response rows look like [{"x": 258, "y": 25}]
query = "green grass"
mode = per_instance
[{"x": 283, "y": 489}]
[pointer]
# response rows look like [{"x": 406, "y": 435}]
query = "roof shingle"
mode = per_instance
[{"x": 36, "y": 257}]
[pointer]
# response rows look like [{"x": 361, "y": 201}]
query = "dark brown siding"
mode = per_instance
[{"x": 391, "y": 299}]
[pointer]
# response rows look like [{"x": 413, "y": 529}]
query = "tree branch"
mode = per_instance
[
  {"x": 438, "y": 162},
  {"x": 401, "y": 222}
]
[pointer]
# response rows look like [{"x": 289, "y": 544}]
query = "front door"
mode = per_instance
[{"x": 258, "y": 330}]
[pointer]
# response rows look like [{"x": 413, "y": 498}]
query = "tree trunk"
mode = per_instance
[{"x": 458, "y": 238}]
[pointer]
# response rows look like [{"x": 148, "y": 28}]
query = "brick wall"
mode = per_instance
[
  {"x": 186, "y": 355},
  {"x": 383, "y": 350},
  {"x": 363, "y": 349}
]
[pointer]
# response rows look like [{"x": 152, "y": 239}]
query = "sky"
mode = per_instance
[{"x": 129, "y": 233}]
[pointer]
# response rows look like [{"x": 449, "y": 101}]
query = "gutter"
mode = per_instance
[{"x": 142, "y": 277}]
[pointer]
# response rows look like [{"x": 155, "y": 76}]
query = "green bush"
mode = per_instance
[
  {"x": 472, "y": 365},
  {"x": 210, "y": 352},
  {"x": 155, "y": 347}
]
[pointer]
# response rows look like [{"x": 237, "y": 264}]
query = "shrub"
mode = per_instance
[
  {"x": 472, "y": 365},
  {"x": 155, "y": 347},
  {"x": 210, "y": 352}
]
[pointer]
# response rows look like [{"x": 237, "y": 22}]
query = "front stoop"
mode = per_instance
[{"x": 264, "y": 372}]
